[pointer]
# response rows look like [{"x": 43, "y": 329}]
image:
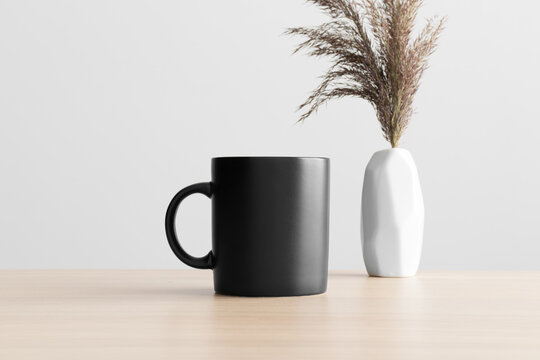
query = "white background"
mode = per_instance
[{"x": 107, "y": 108}]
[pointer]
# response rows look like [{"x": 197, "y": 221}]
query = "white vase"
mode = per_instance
[{"x": 392, "y": 215}]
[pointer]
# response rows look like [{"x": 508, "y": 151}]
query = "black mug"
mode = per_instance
[{"x": 270, "y": 224}]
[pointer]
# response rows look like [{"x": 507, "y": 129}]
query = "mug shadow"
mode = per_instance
[
  {"x": 160, "y": 291},
  {"x": 154, "y": 292},
  {"x": 198, "y": 291},
  {"x": 347, "y": 274}
]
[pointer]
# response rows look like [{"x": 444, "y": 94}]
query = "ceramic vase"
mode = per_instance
[{"x": 392, "y": 215}]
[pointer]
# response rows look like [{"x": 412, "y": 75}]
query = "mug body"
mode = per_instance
[{"x": 270, "y": 225}]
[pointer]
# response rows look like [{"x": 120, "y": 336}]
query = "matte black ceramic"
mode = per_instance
[{"x": 270, "y": 223}]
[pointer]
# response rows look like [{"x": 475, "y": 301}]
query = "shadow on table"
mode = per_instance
[
  {"x": 199, "y": 291},
  {"x": 154, "y": 292},
  {"x": 347, "y": 274}
]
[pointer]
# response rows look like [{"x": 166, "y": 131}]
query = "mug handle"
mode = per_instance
[{"x": 205, "y": 262}]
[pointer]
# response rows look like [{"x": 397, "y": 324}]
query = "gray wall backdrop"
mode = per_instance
[{"x": 107, "y": 108}]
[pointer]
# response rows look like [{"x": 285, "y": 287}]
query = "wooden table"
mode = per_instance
[{"x": 155, "y": 314}]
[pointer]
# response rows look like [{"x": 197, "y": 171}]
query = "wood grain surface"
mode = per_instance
[{"x": 174, "y": 314}]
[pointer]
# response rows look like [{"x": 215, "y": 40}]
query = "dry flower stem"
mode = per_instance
[{"x": 373, "y": 57}]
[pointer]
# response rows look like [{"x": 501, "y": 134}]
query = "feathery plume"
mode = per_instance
[{"x": 373, "y": 57}]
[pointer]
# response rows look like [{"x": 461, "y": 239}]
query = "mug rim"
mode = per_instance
[{"x": 272, "y": 157}]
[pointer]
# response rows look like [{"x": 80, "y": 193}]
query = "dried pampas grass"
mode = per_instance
[{"x": 373, "y": 57}]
